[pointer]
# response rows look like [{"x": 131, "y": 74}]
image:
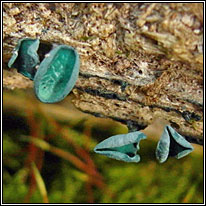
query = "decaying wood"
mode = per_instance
[{"x": 139, "y": 61}]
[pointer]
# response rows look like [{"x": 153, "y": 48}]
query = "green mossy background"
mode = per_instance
[{"x": 24, "y": 117}]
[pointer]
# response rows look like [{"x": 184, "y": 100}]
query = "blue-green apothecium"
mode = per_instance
[
  {"x": 25, "y": 57},
  {"x": 172, "y": 144},
  {"x": 57, "y": 74},
  {"x": 121, "y": 147}
]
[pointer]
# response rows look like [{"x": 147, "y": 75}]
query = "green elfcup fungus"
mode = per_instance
[
  {"x": 57, "y": 74},
  {"x": 172, "y": 144},
  {"x": 122, "y": 147},
  {"x": 25, "y": 57}
]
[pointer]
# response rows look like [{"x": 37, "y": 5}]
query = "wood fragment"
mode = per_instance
[{"x": 139, "y": 61}]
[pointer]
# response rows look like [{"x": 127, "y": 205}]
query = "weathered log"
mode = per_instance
[{"x": 139, "y": 61}]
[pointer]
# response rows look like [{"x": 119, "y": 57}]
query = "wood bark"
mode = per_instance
[{"x": 139, "y": 61}]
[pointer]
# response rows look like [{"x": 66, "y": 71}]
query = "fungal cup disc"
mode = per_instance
[{"x": 57, "y": 74}]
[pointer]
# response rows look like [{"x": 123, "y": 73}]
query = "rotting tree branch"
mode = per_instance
[{"x": 139, "y": 62}]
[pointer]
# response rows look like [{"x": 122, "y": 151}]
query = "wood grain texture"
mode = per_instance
[{"x": 139, "y": 61}]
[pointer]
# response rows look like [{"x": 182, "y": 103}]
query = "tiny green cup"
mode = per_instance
[
  {"x": 57, "y": 74},
  {"x": 25, "y": 57}
]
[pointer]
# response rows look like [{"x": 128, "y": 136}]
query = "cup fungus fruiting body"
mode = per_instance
[
  {"x": 121, "y": 147},
  {"x": 172, "y": 144},
  {"x": 57, "y": 74},
  {"x": 25, "y": 57}
]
